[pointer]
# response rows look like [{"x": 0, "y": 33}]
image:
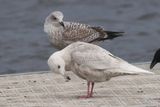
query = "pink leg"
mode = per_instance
[
  {"x": 89, "y": 92},
  {"x": 88, "y": 88},
  {"x": 92, "y": 86}
]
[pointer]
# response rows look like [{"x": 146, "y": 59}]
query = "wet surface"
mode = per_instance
[{"x": 25, "y": 47}]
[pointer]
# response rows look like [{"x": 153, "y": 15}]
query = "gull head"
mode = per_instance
[
  {"x": 56, "y": 19},
  {"x": 56, "y": 63}
]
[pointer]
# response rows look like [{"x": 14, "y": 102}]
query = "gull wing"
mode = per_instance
[
  {"x": 79, "y": 32},
  {"x": 96, "y": 60},
  {"x": 102, "y": 60},
  {"x": 86, "y": 33}
]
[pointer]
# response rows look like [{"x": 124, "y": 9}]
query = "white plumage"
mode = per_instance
[{"x": 92, "y": 63}]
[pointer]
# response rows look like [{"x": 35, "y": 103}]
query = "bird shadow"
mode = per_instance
[{"x": 64, "y": 97}]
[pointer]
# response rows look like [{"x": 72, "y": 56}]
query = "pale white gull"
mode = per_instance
[
  {"x": 62, "y": 33},
  {"x": 92, "y": 63}
]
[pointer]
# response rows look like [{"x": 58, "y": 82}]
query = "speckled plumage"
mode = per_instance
[{"x": 60, "y": 36}]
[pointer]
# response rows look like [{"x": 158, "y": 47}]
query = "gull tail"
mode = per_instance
[
  {"x": 112, "y": 34},
  {"x": 131, "y": 69},
  {"x": 104, "y": 35}
]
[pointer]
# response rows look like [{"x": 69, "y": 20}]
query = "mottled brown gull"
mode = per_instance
[
  {"x": 63, "y": 33},
  {"x": 92, "y": 63}
]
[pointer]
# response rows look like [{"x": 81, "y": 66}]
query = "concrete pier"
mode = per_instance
[{"x": 45, "y": 89}]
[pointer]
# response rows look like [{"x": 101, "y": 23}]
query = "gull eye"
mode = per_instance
[
  {"x": 59, "y": 66},
  {"x": 53, "y": 18}
]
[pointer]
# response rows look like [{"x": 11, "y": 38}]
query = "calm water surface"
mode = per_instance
[{"x": 24, "y": 46}]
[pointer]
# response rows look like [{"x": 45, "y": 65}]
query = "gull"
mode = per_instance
[
  {"x": 156, "y": 59},
  {"x": 62, "y": 33},
  {"x": 92, "y": 63}
]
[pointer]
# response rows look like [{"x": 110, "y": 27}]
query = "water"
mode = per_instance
[{"x": 24, "y": 47}]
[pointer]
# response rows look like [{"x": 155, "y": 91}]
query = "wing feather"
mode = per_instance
[
  {"x": 105, "y": 61},
  {"x": 79, "y": 32},
  {"x": 96, "y": 60}
]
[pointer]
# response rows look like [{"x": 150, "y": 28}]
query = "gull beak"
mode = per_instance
[
  {"x": 61, "y": 23},
  {"x": 67, "y": 78}
]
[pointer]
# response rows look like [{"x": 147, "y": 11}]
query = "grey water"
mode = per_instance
[{"x": 24, "y": 47}]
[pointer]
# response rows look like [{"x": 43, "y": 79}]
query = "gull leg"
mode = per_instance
[
  {"x": 88, "y": 90},
  {"x": 92, "y": 86}
]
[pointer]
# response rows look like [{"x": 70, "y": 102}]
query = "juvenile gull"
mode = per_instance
[
  {"x": 156, "y": 59},
  {"x": 92, "y": 63},
  {"x": 63, "y": 33}
]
